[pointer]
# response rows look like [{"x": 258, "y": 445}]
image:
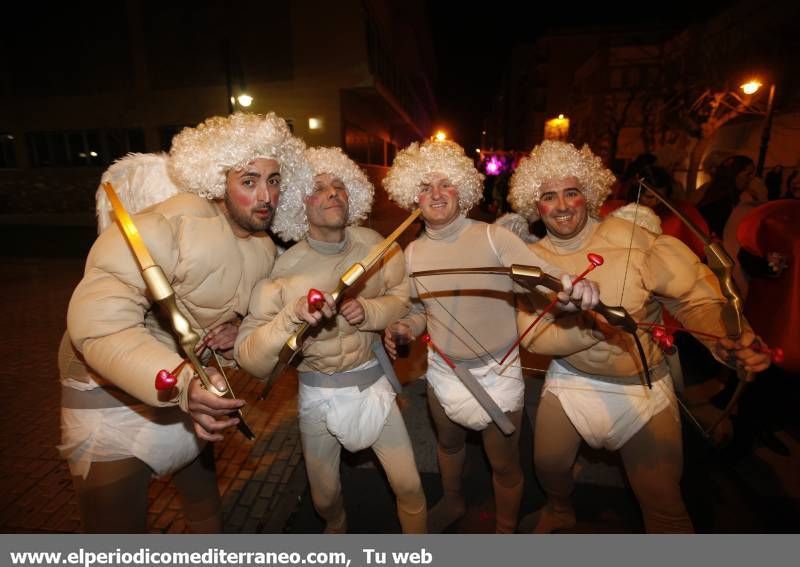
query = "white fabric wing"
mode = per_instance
[
  {"x": 140, "y": 180},
  {"x": 641, "y": 215}
]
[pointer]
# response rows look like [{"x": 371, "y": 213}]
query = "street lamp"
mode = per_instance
[
  {"x": 557, "y": 128},
  {"x": 440, "y": 136},
  {"x": 750, "y": 88},
  {"x": 243, "y": 99}
]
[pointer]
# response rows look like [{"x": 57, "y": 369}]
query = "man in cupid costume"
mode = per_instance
[
  {"x": 210, "y": 241},
  {"x": 595, "y": 389},
  {"x": 347, "y": 387}
]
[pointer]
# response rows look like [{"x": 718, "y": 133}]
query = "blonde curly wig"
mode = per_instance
[
  {"x": 552, "y": 160},
  {"x": 201, "y": 157},
  {"x": 417, "y": 162},
  {"x": 291, "y": 222}
]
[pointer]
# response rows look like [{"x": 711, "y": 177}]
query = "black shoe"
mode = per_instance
[{"x": 768, "y": 439}]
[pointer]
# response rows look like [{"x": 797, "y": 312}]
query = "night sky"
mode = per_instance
[{"x": 472, "y": 45}]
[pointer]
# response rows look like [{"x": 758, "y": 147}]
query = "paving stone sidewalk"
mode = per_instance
[{"x": 260, "y": 481}]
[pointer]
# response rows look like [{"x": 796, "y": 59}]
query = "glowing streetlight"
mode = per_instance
[
  {"x": 245, "y": 100},
  {"x": 750, "y": 87},
  {"x": 557, "y": 128},
  {"x": 440, "y": 136}
]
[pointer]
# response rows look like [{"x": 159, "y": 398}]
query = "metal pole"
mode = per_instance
[{"x": 762, "y": 152}]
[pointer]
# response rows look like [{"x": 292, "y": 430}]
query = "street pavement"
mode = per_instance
[{"x": 259, "y": 481}]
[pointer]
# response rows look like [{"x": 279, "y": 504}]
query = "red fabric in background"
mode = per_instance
[
  {"x": 773, "y": 304},
  {"x": 672, "y": 225}
]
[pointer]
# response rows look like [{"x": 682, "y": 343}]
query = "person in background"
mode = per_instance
[
  {"x": 793, "y": 185},
  {"x": 774, "y": 181},
  {"x": 769, "y": 236},
  {"x": 731, "y": 178}
]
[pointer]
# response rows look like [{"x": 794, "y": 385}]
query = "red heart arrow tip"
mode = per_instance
[
  {"x": 595, "y": 259},
  {"x": 316, "y": 299},
  {"x": 165, "y": 380}
]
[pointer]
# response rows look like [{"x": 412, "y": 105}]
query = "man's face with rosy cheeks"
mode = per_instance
[
  {"x": 327, "y": 208},
  {"x": 252, "y": 195},
  {"x": 438, "y": 200},
  {"x": 562, "y": 207}
]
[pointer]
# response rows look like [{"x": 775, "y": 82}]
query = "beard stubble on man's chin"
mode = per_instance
[
  {"x": 260, "y": 223},
  {"x": 251, "y": 222}
]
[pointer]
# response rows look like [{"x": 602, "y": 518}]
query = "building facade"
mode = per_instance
[{"x": 95, "y": 81}]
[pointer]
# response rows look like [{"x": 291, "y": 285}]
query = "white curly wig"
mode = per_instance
[
  {"x": 553, "y": 160},
  {"x": 291, "y": 222},
  {"x": 417, "y": 162},
  {"x": 140, "y": 180},
  {"x": 201, "y": 157}
]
